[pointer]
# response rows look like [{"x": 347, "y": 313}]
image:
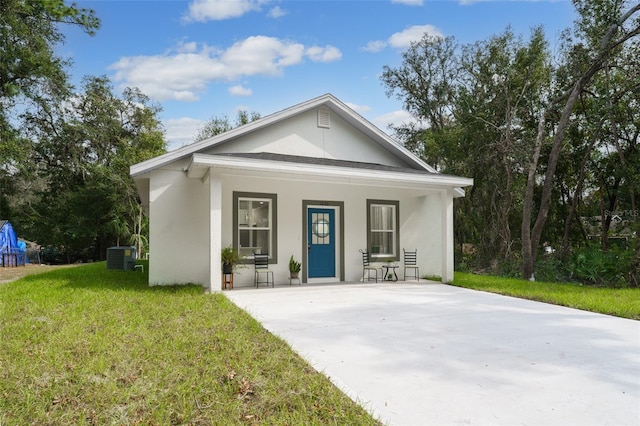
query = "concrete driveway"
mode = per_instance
[{"x": 432, "y": 354}]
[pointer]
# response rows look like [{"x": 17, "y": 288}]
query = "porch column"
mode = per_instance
[
  {"x": 215, "y": 231},
  {"x": 446, "y": 206}
]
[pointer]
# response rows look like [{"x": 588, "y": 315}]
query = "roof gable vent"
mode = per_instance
[{"x": 324, "y": 118}]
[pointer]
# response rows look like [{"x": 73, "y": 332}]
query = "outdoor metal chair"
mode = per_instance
[
  {"x": 261, "y": 266},
  {"x": 411, "y": 263},
  {"x": 368, "y": 268}
]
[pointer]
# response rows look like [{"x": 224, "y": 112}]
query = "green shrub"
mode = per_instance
[{"x": 592, "y": 265}]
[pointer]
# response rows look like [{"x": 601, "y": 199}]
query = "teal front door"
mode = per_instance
[{"x": 321, "y": 238}]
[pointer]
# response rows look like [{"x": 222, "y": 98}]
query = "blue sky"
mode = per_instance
[{"x": 204, "y": 58}]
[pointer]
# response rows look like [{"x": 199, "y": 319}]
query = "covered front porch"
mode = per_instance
[{"x": 421, "y": 202}]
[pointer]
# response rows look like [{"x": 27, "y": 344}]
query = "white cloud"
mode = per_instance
[
  {"x": 260, "y": 55},
  {"x": 183, "y": 73},
  {"x": 409, "y": 2},
  {"x": 395, "y": 118},
  {"x": 276, "y": 12},
  {"x": 361, "y": 109},
  {"x": 404, "y": 38},
  {"x": 181, "y": 131},
  {"x": 240, "y": 90},
  {"x": 216, "y": 10},
  {"x": 375, "y": 46},
  {"x": 323, "y": 54}
]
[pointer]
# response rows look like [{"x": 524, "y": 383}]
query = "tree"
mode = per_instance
[
  {"x": 541, "y": 141},
  {"x": 29, "y": 67},
  {"x": 612, "y": 27},
  {"x": 216, "y": 125},
  {"x": 505, "y": 81},
  {"x": 28, "y": 35},
  {"x": 476, "y": 104},
  {"x": 83, "y": 149}
]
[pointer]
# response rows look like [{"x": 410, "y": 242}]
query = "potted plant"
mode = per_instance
[
  {"x": 230, "y": 258},
  {"x": 294, "y": 267}
]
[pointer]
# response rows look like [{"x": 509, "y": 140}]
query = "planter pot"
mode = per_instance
[
  {"x": 294, "y": 274},
  {"x": 227, "y": 268}
]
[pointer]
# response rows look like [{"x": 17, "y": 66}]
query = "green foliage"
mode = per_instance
[
  {"x": 499, "y": 110},
  {"x": 29, "y": 69},
  {"x": 294, "y": 265},
  {"x": 86, "y": 200},
  {"x": 217, "y": 125},
  {"x": 87, "y": 345},
  {"x": 28, "y": 37},
  {"x": 587, "y": 265},
  {"x": 592, "y": 265},
  {"x": 229, "y": 256}
]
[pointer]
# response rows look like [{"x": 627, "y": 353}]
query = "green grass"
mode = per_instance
[
  {"x": 90, "y": 346},
  {"x": 621, "y": 302}
]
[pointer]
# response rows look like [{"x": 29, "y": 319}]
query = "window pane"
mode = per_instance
[
  {"x": 376, "y": 217},
  {"x": 388, "y": 214},
  {"x": 243, "y": 212},
  {"x": 260, "y": 214},
  {"x": 254, "y": 241},
  {"x": 382, "y": 243},
  {"x": 382, "y": 218}
]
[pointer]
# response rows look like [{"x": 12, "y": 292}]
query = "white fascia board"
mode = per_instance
[{"x": 200, "y": 163}]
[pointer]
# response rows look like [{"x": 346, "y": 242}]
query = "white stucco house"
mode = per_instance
[{"x": 316, "y": 181}]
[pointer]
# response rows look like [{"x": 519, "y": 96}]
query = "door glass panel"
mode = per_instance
[{"x": 321, "y": 228}]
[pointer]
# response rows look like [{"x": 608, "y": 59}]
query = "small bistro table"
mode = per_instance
[{"x": 390, "y": 272}]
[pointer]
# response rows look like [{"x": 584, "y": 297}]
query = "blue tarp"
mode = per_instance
[{"x": 11, "y": 253}]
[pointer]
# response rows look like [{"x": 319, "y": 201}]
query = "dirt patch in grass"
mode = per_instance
[{"x": 9, "y": 274}]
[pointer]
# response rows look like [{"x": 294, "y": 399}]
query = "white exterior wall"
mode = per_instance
[
  {"x": 179, "y": 233},
  {"x": 301, "y": 136},
  {"x": 178, "y": 228},
  {"x": 419, "y": 222}
]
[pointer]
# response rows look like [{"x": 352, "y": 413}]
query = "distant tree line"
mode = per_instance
[{"x": 551, "y": 141}]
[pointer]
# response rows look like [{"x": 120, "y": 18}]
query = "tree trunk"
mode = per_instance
[
  {"x": 531, "y": 236},
  {"x": 528, "y": 255}
]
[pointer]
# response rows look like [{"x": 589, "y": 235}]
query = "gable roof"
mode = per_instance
[{"x": 327, "y": 100}]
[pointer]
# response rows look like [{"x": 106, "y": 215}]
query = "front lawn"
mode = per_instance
[
  {"x": 90, "y": 346},
  {"x": 621, "y": 302}
]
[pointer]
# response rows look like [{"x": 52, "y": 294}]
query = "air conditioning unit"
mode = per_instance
[{"x": 122, "y": 258}]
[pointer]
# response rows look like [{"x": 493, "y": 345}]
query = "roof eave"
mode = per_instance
[{"x": 200, "y": 164}]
